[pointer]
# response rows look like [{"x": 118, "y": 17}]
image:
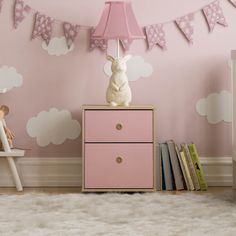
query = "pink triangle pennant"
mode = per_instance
[
  {"x": 214, "y": 14},
  {"x": 185, "y": 24},
  {"x": 155, "y": 36},
  {"x": 97, "y": 43},
  {"x": 1, "y": 3},
  {"x": 43, "y": 27},
  {"x": 126, "y": 43},
  {"x": 21, "y": 10},
  {"x": 70, "y": 32},
  {"x": 233, "y": 2}
]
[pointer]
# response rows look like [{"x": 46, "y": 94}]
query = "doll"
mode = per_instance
[{"x": 4, "y": 110}]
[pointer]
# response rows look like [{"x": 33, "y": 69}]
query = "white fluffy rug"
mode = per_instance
[{"x": 149, "y": 214}]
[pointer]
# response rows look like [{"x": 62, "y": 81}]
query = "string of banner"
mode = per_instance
[{"x": 155, "y": 34}]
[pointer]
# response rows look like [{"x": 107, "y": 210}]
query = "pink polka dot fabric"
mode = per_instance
[
  {"x": 20, "y": 12},
  {"x": 185, "y": 24},
  {"x": 233, "y": 2},
  {"x": 126, "y": 44},
  {"x": 70, "y": 32},
  {"x": 214, "y": 14},
  {"x": 43, "y": 27},
  {"x": 97, "y": 43},
  {"x": 155, "y": 36}
]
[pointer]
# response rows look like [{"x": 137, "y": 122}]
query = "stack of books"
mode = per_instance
[{"x": 179, "y": 168}]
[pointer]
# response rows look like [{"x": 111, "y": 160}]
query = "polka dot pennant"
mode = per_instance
[
  {"x": 20, "y": 12},
  {"x": 155, "y": 36},
  {"x": 1, "y": 3},
  {"x": 97, "y": 43},
  {"x": 126, "y": 43},
  {"x": 185, "y": 24},
  {"x": 43, "y": 27},
  {"x": 214, "y": 14},
  {"x": 70, "y": 32},
  {"x": 155, "y": 33},
  {"x": 233, "y": 2}
]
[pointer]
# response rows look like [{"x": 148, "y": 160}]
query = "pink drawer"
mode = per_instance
[
  {"x": 119, "y": 126},
  {"x": 118, "y": 166}
]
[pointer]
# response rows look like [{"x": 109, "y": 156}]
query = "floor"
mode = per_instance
[
  {"x": 208, "y": 213},
  {"x": 49, "y": 190},
  {"x": 226, "y": 191}
]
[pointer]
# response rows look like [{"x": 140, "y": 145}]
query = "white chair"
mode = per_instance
[{"x": 10, "y": 154}]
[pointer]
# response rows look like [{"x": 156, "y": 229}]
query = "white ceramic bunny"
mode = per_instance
[{"x": 118, "y": 91}]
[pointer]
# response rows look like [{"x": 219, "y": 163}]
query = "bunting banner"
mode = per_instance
[
  {"x": 155, "y": 33},
  {"x": 155, "y": 36},
  {"x": 97, "y": 43},
  {"x": 70, "y": 32},
  {"x": 20, "y": 12},
  {"x": 1, "y": 3},
  {"x": 185, "y": 24},
  {"x": 233, "y": 2},
  {"x": 214, "y": 14},
  {"x": 126, "y": 43},
  {"x": 43, "y": 27}
]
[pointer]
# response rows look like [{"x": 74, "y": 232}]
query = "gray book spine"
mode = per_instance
[
  {"x": 166, "y": 167},
  {"x": 178, "y": 175},
  {"x": 187, "y": 186},
  {"x": 158, "y": 168}
]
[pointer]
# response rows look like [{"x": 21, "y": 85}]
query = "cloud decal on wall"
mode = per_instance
[
  {"x": 57, "y": 46},
  {"x": 10, "y": 78},
  {"x": 53, "y": 126},
  {"x": 136, "y": 68},
  {"x": 216, "y": 107}
]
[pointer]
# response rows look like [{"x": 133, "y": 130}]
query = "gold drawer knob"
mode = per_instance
[
  {"x": 119, "y": 126},
  {"x": 119, "y": 160}
]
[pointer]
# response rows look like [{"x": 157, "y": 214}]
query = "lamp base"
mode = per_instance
[
  {"x": 119, "y": 98},
  {"x": 118, "y": 91},
  {"x": 114, "y": 104}
]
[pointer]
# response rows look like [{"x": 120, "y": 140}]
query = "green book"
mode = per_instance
[
  {"x": 191, "y": 167},
  {"x": 198, "y": 167},
  {"x": 189, "y": 180}
]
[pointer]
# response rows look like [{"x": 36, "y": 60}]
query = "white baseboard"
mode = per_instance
[
  {"x": 65, "y": 172},
  {"x": 218, "y": 170},
  {"x": 43, "y": 172}
]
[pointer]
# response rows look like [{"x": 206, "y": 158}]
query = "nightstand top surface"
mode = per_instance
[{"x": 107, "y": 107}]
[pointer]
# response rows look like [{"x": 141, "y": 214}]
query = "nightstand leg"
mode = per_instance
[{"x": 15, "y": 174}]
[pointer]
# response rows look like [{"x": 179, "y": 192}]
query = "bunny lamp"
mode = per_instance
[
  {"x": 118, "y": 91},
  {"x": 118, "y": 23}
]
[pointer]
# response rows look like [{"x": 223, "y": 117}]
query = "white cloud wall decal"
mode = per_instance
[
  {"x": 57, "y": 46},
  {"x": 10, "y": 78},
  {"x": 216, "y": 107},
  {"x": 136, "y": 68},
  {"x": 53, "y": 126}
]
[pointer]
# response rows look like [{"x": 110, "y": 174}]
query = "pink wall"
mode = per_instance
[{"x": 182, "y": 75}]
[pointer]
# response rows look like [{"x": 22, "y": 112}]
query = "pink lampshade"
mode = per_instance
[{"x": 118, "y": 22}]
